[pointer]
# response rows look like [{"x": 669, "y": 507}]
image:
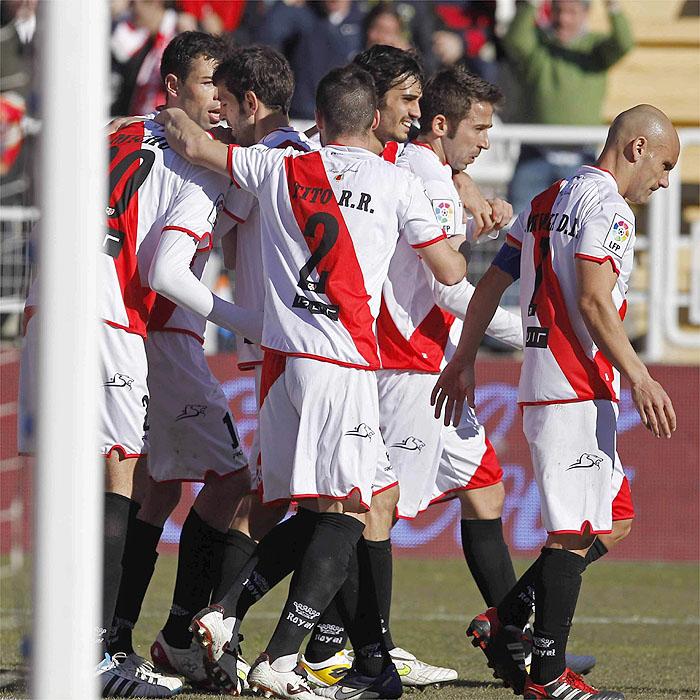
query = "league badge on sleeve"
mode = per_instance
[
  {"x": 618, "y": 236},
  {"x": 444, "y": 210}
]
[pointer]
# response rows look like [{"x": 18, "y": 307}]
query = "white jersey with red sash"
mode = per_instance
[{"x": 582, "y": 218}]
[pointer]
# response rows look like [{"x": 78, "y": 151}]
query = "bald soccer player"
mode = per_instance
[{"x": 572, "y": 248}]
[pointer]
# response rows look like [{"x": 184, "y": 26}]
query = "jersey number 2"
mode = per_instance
[{"x": 328, "y": 239}]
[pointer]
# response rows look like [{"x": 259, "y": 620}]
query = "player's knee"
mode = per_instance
[
  {"x": 484, "y": 503},
  {"x": 160, "y": 501}
]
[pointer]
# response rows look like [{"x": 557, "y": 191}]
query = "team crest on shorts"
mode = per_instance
[
  {"x": 618, "y": 236},
  {"x": 362, "y": 430},
  {"x": 586, "y": 461},
  {"x": 120, "y": 380},
  {"x": 444, "y": 210},
  {"x": 192, "y": 410}
]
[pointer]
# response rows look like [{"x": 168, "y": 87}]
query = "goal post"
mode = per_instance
[{"x": 69, "y": 476}]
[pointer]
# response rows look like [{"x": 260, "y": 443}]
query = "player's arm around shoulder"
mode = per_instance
[
  {"x": 417, "y": 222},
  {"x": 595, "y": 281},
  {"x": 191, "y": 142}
]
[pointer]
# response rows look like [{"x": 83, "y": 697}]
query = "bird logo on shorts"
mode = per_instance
[
  {"x": 586, "y": 461},
  {"x": 363, "y": 430},
  {"x": 120, "y": 380},
  {"x": 192, "y": 410},
  {"x": 410, "y": 443}
]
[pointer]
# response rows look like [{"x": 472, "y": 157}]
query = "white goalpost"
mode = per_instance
[{"x": 69, "y": 479}]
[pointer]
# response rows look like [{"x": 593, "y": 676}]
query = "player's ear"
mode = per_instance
[
  {"x": 376, "y": 120},
  {"x": 639, "y": 147},
  {"x": 250, "y": 103},
  {"x": 439, "y": 125},
  {"x": 172, "y": 85}
]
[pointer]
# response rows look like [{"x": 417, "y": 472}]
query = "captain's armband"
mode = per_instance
[{"x": 508, "y": 260}]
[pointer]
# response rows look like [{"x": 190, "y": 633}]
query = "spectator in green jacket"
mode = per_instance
[{"x": 561, "y": 70}]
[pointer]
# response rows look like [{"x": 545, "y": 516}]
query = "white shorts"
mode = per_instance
[
  {"x": 123, "y": 398},
  {"x": 468, "y": 460},
  {"x": 412, "y": 435},
  {"x": 191, "y": 431},
  {"x": 574, "y": 458},
  {"x": 319, "y": 430}
]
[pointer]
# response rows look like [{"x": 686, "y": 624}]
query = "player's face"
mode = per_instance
[
  {"x": 652, "y": 171},
  {"x": 242, "y": 123},
  {"x": 470, "y": 137},
  {"x": 398, "y": 109},
  {"x": 197, "y": 94}
]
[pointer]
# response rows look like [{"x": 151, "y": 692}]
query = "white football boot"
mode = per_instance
[
  {"x": 264, "y": 680},
  {"x": 416, "y": 673},
  {"x": 184, "y": 662}
]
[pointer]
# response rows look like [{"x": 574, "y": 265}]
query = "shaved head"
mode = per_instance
[
  {"x": 642, "y": 120},
  {"x": 641, "y": 150}
]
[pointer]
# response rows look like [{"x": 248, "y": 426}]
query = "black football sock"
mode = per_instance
[
  {"x": 519, "y": 603},
  {"x": 319, "y": 576},
  {"x": 329, "y": 635},
  {"x": 556, "y": 593},
  {"x": 381, "y": 564},
  {"x": 276, "y": 556},
  {"x": 116, "y": 524},
  {"x": 200, "y": 547},
  {"x": 597, "y": 550},
  {"x": 238, "y": 549},
  {"x": 359, "y": 605},
  {"x": 488, "y": 558},
  {"x": 138, "y": 564}
]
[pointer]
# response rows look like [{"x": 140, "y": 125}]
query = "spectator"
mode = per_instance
[
  {"x": 467, "y": 36},
  {"x": 137, "y": 45},
  {"x": 17, "y": 97},
  {"x": 384, "y": 25},
  {"x": 562, "y": 71},
  {"x": 315, "y": 37},
  {"x": 215, "y": 17}
]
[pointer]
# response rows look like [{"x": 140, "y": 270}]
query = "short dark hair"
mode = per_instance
[
  {"x": 347, "y": 100},
  {"x": 452, "y": 92},
  {"x": 389, "y": 66},
  {"x": 262, "y": 70},
  {"x": 185, "y": 48}
]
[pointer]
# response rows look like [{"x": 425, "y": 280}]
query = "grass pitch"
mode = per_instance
[{"x": 639, "y": 619}]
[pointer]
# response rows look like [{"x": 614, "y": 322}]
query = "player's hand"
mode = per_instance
[
  {"x": 120, "y": 122},
  {"x": 654, "y": 407},
  {"x": 501, "y": 212},
  {"x": 475, "y": 203},
  {"x": 456, "y": 382}
]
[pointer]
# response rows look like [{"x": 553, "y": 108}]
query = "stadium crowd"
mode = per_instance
[{"x": 351, "y": 244}]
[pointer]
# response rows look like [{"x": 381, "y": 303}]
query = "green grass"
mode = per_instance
[{"x": 640, "y": 620}]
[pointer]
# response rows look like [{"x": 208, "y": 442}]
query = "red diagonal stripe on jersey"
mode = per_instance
[
  {"x": 390, "y": 152},
  {"x": 424, "y": 350},
  {"x": 582, "y": 373},
  {"x": 138, "y": 300},
  {"x": 345, "y": 284}
]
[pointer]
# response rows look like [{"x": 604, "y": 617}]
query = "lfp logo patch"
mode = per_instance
[
  {"x": 618, "y": 236},
  {"x": 444, "y": 210}
]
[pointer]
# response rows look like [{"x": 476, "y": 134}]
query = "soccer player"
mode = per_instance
[
  {"x": 329, "y": 222},
  {"x": 572, "y": 248},
  {"x": 191, "y": 433}
]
